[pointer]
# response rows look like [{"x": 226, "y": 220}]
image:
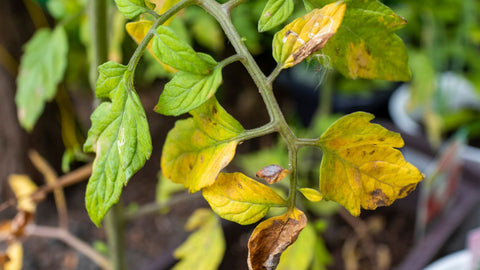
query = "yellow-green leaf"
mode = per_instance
[
  {"x": 360, "y": 165},
  {"x": 274, "y": 13},
  {"x": 187, "y": 91},
  {"x": 23, "y": 187},
  {"x": 308, "y": 34},
  {"x": 271, "y": 237},
  {"x": 42, "y": 67},
  {"x": 131, "y": 8},
  {"x": 238, "y": 198},
  {"x": 365, "y": 45},
  {"x": 205, "y": 247},
  {"x": 175, "y": 52},
  {"x": 163, "y": 5},
  {"x": 138, "y": 30},
  {"x": 197, "y": 148},
  {"x": 311, "y": 194},
  {"x": 299, "y": 255}
]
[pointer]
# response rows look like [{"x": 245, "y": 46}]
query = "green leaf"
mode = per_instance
[
  {"x": 299, "y": 255},
  {"x": 42, "y": 67},
  {"x": 119, "y": 136},
  {"x": 186, "y": 91},
  {"x": 360, "y": 165},
  {"x": 238, "y": 198},
  {"x": 365, "y": 45},
  {"x": 274, "y": 14},
  {"x": 197, "y": 148},
  {"x": 205, "y": 247},
  {"x": 176, "y": 53},
  {"x": 311, "y": 194},
  {"x": 205, "y": 29},
  {"x": 131, "y": 8}
]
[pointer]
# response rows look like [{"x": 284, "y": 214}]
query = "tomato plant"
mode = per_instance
[{"x": 361, "y": 165}]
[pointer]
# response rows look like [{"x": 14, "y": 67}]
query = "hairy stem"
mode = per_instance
[{"x": 263, "y": 83}]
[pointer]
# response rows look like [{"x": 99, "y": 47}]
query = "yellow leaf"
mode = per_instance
[
  {"x": 197, "y": 148},
  {"x": 308, "y": 34},
  {"x": 205, "y": 247},
  {"x": 163, "y": 5},
  {"x": 271, "y": 237},
  {"x": 23, "y": 187},
  {"x": 15, "y": 255},
  {"x": 360, "y": 165},
  {"x": 311, "y": 194},
  {"x": 238, "y": 198},
  {"x": 138, "y": 30}
]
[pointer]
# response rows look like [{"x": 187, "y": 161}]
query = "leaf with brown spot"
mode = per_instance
[
  {"x": 271, "y": 237},
  {"x": 361, "y": 167},
  {"x": 365, "y": 45},
  {"x": 272, "y": 173},
  {"x": 14, "y": 254},
  {"x": 306, "y": 35}
]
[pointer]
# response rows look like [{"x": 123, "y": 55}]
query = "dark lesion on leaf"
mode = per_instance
[
  {"x": 379, "y": 198},
  {"x": 404, "y": 191}
]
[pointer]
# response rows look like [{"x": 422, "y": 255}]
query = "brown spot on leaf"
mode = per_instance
[
  {"x": 272, "y": 173},
  {"x": 404, "y": 191},
  {"x": 313, "y": 45},
  {"x": 379, "y": 198},
  {"x": 271, "y": 237}
]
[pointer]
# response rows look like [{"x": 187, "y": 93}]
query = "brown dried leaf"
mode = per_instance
[
  {"x": 271, "y": 237},
  {"x": 15, "y": 228},
  {"x": 272, "y": 173}
]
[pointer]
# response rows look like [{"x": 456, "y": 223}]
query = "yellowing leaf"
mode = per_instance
[
  {"x": 308, "y": 34},
  {"x": 23, "y": 187},
  {"x": 360, "y": 165},
  {"x": 311, "y": 194},
  {"x": 365, "y": 45},
  {"x": 299, "y": 255},
  {"x": 238, "y": 198},
  {"x": 197, "y": 148},
  {"x": 15, "y": 255},
  {"x": 138, "y": 30},
  {"x": 205, "y": 247},
  {"x": 271, "y": 237}
]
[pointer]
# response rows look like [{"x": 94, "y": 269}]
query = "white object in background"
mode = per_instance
[{"x": 460, "y": 260}]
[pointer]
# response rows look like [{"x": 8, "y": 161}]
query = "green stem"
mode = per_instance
[
  {"x": 228, "y": 6},
  {"x": 292, "y": 157},
  {"x": 274, "y": 73},
  {"x": 98, "y": 30},
  {"x": 326, "y": 96},
  {"x": 230, "y": 60},
  {"x": 263, "y": 83},
  {"x": 114, "y": 226}
]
